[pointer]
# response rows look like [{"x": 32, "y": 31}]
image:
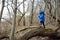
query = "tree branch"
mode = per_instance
[{"x": 7, "y": 20}]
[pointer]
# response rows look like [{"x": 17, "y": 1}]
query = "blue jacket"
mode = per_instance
[{"x": 41, "y": 17}]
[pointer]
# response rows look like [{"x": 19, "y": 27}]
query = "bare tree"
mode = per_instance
[
  {"x": 23, "y": 13},
  {"x": 13, "y": 21},
  {"x": 31, "y": 21},
  {"x": 8, "y": 9},
  {"x": 3, "y": 3}
]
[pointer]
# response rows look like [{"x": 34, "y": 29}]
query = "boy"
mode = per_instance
[{"x": 42, "y": 18}]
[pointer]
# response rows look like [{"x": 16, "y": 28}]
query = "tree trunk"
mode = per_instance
[
  {"x": 13, "y": 21},
  {"x": 3, "y": 2},
  {"x": 23, "y": 13},
  {"x": 8, "y": 9},
  {"x": 40, "y": 32},
  {"x": 31, "y": 21}
]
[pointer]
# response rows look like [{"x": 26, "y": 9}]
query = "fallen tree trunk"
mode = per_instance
[{"x": 40, "y": 32}]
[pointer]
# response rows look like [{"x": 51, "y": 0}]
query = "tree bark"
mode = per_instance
[
  {"x": 3, "y": 3},
  {"x": 23, "y": 13},
  {"x": 31, "y": 21},
  {"x": 13, "y": 21},
  {"x": 40, "y": 32}
]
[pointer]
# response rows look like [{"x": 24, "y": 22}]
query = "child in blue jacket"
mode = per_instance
[{"x": 42, "y": 18}]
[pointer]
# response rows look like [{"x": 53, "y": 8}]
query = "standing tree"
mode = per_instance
[
  {"x": 13, "y": 21},
  {"x": 3, "y": 3},
  {"x": 8, "y": 9},
  {"x": 31, "y": 21},
  {"x": 23, "y": 13}
]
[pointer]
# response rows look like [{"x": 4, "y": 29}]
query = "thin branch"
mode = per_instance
[
  {"x": 21, "y": 3},
  {"x": 19, "y": 10},
  {"x": 7, "y": 20},
  {"x": 18, "y": 5},
  {"x": 21, "y": 18},
  {"x": 8, "y": 10},
  {"x": 22, "y": 14}
]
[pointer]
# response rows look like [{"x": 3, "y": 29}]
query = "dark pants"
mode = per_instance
[{"x": 42, "y": 23}]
